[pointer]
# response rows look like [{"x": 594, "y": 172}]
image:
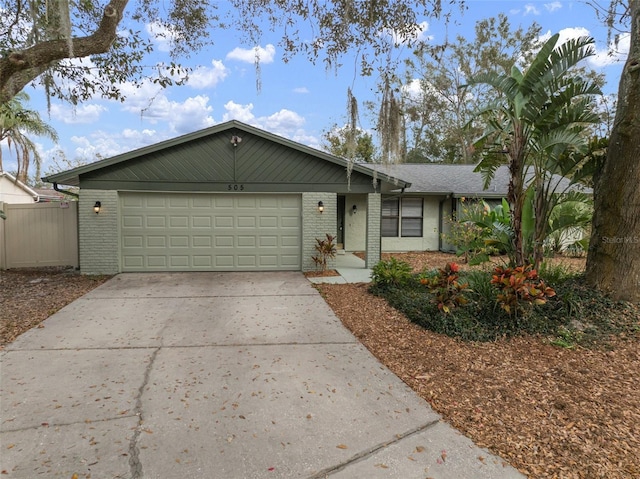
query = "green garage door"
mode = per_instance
[{"x": 210, "y": 232}]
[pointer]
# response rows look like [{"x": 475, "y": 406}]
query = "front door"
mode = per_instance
[{"x": 342, "y": 201}]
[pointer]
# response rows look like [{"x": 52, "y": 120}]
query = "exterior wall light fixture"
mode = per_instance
[
  {"x": 320, "y": 206},
  {"x": 354, "y": 210},
  {"x": 96, "y": 207}
]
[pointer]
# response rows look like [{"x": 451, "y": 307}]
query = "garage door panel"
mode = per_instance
[
  {"x": 209, "y": 232},
  {"x": 223, "y": 222},
  {"x": 201, "y": 221},
  {"x": 201, "y": 241}
]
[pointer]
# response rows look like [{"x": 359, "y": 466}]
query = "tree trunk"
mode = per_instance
[
  {"x": 515, "y": 193},
  {"x": 613, "y": 261},
  {"x": 18, "y": 68}
]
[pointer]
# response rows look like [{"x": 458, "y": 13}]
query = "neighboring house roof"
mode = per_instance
[
  {"x": 47, "y": 194},
  {"x": 456, "y": 180},
  {"x": 178, "y": 145},
  {"x": 14, "y": 191}
]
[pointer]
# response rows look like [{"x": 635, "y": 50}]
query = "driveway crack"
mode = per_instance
[
  {"x": 372, "y": 450},
  {"x": 135, "y": 466}
]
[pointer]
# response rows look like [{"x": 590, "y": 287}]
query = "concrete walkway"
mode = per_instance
[
  {"x": 350, "y": 268},
  {"x": 215, "y": 375}
]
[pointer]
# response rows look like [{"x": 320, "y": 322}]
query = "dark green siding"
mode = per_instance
[{"x": 212, "y": 163}]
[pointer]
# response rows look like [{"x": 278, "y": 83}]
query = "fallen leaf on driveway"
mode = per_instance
[{"x": 342, "y": 446}]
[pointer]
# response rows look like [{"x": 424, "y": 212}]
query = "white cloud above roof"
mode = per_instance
[
  {"x": 208, "y": 77},
  {"x": 248, "y": 55},
  {"x": 85, "y": 113}
]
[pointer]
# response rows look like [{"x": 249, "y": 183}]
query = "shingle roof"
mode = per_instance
[{"x": 457, "y": 180}]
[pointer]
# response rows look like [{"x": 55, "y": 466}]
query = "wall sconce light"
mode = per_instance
[
  {"x": 354, "y": 210},
  {"x": 320, "y": 206},
  {"x": 97, "y": 206}
]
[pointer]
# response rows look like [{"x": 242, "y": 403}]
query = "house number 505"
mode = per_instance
[{"x": 235, "y": 187}]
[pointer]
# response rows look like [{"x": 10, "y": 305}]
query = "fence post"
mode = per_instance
[{"x": 3, "y": 240}]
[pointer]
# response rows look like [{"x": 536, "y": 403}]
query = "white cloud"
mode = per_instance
[
  {"x": 531, "y": 9},
  {"x": 285, "y": 122},
  {"x": 82, "y": 114},
  {"x": 236, "y": 111},
  {"x": 302, "y": 89},
  {"x": 162, "y": 36},
  {"x": 204, "y": 77},
  {"x": 604, "y": 56},
  {"x": 574, "y": 32},
  {"x": 553, "y": 6},
  {"x": 100, "y": 144},
  {"x": 191, "y": 115},
  {"x": 419, "y": 35},
  {"x": 615, "y": 54},
  {"x": 249, "y": 55}
]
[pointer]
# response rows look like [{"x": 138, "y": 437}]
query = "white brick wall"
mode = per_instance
[
  {"x": 99, "y": 239},
  {"x": 316, "y": 224}
]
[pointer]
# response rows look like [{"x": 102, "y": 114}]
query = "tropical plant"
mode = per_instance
[
  {"x": 540, "y": 115},
  {"x": 391, "y": 273},
  {"x": 468, "y": 231},
  {"x": 447, "y": 291},
  {"x": 569, "y": 223},
  {"x": 520, "y": 288},
  {"x": 326, "y": 249},
  {"x": 16, "y": 125},
  {"x": 497, "y": 234}
]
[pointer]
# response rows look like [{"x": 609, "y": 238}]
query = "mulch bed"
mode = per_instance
[
  {"x": 550, "y": 412},
  {"x": 29, "y": 296}
]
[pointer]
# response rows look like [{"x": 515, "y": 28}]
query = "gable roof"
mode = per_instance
[
  {"x": 112, "y": 169},
  {"x": 458, "y": 180},
  {"x": 9, "y": 186}
]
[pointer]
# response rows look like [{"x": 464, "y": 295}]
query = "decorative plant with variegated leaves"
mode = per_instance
[
  {"x": 447, "y": 291},
  {"x": 520, "y": 288}
]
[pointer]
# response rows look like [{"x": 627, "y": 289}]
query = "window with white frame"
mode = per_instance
[{"x": 402, "y": 217}]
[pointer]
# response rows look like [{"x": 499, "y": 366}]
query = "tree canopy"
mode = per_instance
[{"x": 83, "y": 49}]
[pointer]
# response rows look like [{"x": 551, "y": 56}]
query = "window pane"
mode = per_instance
[
  {"x": 412, "y": 227},
  {"x": 390, "y": 207},
  {"x": 412, "y": 207},
  {"x": 412, "y": 217},
  {"x": 389, "y": 227}
]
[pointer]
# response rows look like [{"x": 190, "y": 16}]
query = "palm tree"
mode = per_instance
[
  {"x": 541, "y": 114},
  {"x": 16, "y": 122}
]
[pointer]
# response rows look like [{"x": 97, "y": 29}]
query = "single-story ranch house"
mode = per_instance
[{"x": 236, "y": 198}]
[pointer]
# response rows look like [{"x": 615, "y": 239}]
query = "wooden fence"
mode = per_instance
[{"x": 39, "y": 234}]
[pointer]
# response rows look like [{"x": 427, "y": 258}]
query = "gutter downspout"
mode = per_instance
[
  {"x": 65, "y": 192},
  {"x": 441, "y": 220}
]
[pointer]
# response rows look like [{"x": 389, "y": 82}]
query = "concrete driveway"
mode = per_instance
[{"x": 215, "y": 375}]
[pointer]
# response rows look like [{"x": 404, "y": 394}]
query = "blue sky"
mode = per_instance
[{"x": 297, "y": 100}]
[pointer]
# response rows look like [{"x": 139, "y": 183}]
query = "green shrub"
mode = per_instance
[
  {"x": 391, "y": 273},
  {"x": 555, "y": 274}
]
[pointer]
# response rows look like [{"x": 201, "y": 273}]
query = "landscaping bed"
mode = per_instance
[
  {"x": 29, "y": 296},
  {"x": 551, "y": 411}
]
